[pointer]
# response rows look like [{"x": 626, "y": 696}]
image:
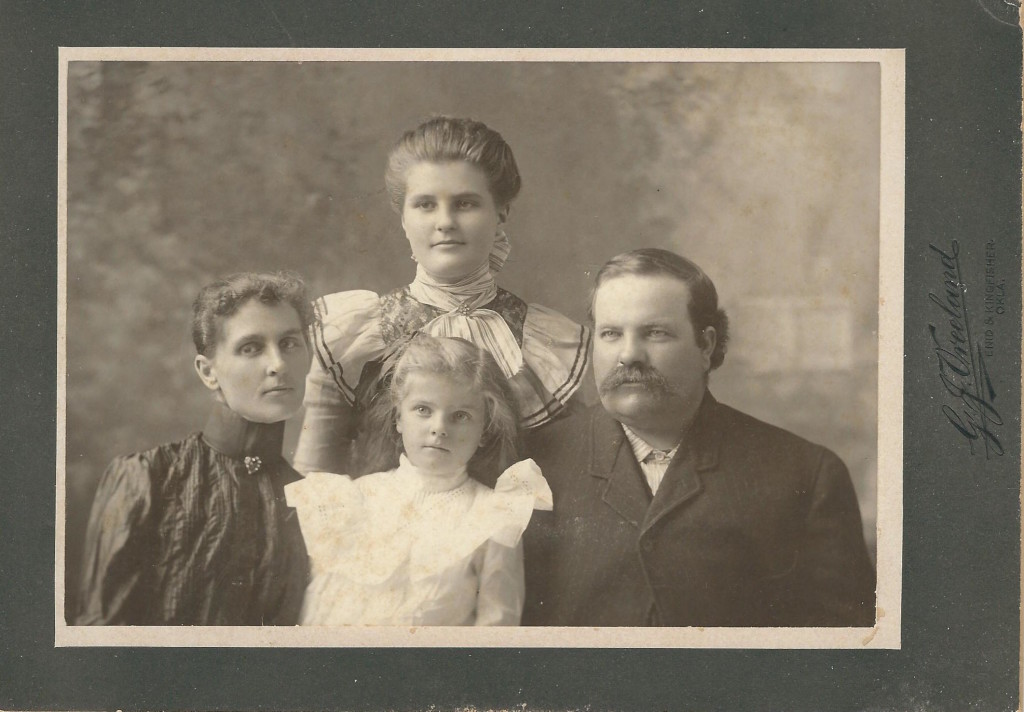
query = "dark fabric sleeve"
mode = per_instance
[
  {"x": 115, "y": 584},
  {"x": 539, "y": 541},
  {"x": 833, "y": 582}
]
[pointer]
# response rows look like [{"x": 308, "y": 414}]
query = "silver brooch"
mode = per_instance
[
  {"x": 252, "y": 464},
  {"x": 465, "y": 309}
]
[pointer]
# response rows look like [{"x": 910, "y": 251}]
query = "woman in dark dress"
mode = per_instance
[{"x": 198, "y": 532}]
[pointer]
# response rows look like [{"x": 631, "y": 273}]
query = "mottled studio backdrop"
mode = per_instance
[{"x": 764, "y": 174}]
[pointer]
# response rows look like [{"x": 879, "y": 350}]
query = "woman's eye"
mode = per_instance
[
  {"x": 423, "y": 204},
  {"x": 249, "y": 349},
  {"x": 290, "y": 342},
  {"x": 608, "y": 334},
  {"x": 465, "y": 205},
  {"x": 462, "y": 416},
  {"x": 421, "y": 410}
]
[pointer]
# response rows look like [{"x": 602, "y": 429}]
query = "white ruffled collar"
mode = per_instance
[{"x": 419, "y": 481}]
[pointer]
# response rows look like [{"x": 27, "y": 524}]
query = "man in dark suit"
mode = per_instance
[{"x": 673, "y": 509}]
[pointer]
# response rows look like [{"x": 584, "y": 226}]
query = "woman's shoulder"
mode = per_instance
[
  {"x": 346, "y": 332},
  {"x": 156, "y": 461},
  {"x": 540, "y": 324},
  {"x": 556, "y": 350},
  {"x": 140, "y": 476},
  {"x": 351, "y": 307}
]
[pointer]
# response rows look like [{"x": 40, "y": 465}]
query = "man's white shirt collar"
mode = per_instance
[{"x": 653, "y": 462}]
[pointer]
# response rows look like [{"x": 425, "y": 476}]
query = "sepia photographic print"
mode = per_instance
[
  {"x": 638, "y": 375},
  {"x": 778, "y": 172}
]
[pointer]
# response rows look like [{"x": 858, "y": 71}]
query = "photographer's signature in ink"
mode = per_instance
[{"x": 961, "y": 361}]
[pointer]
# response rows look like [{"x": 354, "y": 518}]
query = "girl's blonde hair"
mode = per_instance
[{"x": 461, "y": 361}]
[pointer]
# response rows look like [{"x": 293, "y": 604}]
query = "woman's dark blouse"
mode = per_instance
[{"x": 190, "y": 533}]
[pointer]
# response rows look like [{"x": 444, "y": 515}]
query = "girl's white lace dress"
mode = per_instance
[{"x": 402, "y": 548}]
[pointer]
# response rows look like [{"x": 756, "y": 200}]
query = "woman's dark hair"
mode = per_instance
[
  {"x": 461, "y": 361},
  {"x": 444, "y": 138},
  {"x": 703, "y": 307},
  {"x": 222, "y": 298}
]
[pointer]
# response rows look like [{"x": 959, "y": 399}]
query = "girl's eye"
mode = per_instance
[
  {"x": 423, "y": 204},
  {"x": 421, "y": 410},
  {"x": 290, "y": 342},
  {"x": 465, "y": 205},
  {"x": 462, "y": 416},
  {"x": 249, "y": 349}
]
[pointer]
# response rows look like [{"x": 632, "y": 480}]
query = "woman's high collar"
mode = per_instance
[
  {"x": 472, "y": 292},
  {"x": 230, "y": 434},
  {"x": 482, "y": 275}
]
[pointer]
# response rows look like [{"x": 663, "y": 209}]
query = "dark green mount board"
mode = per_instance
[{"x": 960, "y": 569}]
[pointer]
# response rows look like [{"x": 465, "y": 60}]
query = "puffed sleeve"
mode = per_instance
[
  {"x": 345, "y": 337},
  {"x": 556, "y": 352},
  {"x": 502, "y": 588},
  {"x": 116, "y": 587}
]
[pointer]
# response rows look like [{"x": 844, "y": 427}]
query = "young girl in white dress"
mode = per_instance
[{"x": 421, "y": 542}]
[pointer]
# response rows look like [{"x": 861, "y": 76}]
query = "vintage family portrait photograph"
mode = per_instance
[{"x": 480, "y": 348}]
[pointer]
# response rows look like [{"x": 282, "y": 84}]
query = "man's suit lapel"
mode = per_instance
[
  {"x": 697, "y": 454},
  {"x": 622, "y": 488}
]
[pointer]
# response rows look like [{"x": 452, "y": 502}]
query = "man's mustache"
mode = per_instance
[{"x": 647, "y": 377}]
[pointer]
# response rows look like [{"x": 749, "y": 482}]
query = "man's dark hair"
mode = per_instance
[{"x": 703, "y": 306}]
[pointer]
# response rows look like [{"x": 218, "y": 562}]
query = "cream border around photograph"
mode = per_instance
[{"x": 885, "y": 634}]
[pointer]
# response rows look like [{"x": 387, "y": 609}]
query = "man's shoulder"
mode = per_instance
[
  {"x": 743, "y": 433},
  {"x": 567, "y": 433},
  {"x": 575, "y": 420},
  {"x": 737, "y": 421}
]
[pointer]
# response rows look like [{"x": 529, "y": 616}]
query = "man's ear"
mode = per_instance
[
  {"x": 708, "y": 341},
  {"x": 207, "y": 373}
]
